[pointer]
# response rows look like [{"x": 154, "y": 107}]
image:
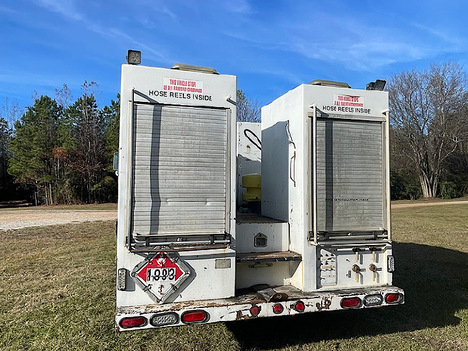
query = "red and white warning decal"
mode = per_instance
[
  {"x": 342, "y": 103},
  {"x": 183, "y": 85},
  {"x": 348, "y": 100},
  {"x": 161, "y": 275}
]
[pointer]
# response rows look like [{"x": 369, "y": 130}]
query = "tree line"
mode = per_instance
[{"x": 60, "y": 151}]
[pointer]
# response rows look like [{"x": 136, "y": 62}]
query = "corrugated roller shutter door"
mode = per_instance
[
  {"x": 349, "y": 175},
  {"x": 179, "y": 170}
]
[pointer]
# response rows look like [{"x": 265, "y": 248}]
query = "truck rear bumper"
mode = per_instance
[{"x": 268, "y": 302}]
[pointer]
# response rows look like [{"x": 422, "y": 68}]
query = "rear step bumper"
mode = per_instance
[{"x": 255, "y": 304}]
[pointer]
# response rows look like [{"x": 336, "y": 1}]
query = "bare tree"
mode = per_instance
[
  {"x": 247, "y": 111},
  {"x": 64, "y": 96},
  {"x": 11, "y": 112},
  {"x": 429, "y": 119}
]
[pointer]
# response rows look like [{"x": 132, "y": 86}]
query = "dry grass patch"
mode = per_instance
[{"x": 57, "y": 292}]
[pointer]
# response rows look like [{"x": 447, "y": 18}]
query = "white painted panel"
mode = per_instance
[{"x": 276, "y": 233}]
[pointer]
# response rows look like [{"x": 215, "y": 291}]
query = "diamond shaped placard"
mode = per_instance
[{"x": 160, "y": 275}]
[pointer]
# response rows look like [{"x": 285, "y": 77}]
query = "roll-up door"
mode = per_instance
[
  {"x": 179, "y": 170},
  {"x": 349, "y": 175}
]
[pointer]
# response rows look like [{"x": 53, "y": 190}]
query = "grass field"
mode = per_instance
[{"x": 57, "y": 293}]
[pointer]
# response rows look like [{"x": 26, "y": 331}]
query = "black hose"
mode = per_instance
[{"x": 259, "y": 145}]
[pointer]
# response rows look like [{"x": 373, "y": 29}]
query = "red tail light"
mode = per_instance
[
  {"x": 393, "y": 298},
  {"x": 299, "y": 306},
  {"x": 133, "y": 322},
  {"x": 351, "y": 302},
  {"x": 278, "y": 308},
  {"x": 255, "y": 311},
  {"x": 194, "y": 317}
]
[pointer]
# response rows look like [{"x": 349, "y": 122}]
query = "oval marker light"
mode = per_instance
[
  {"x": 351, "y": 302},
  {"x": 194, "y": 317},
  {"x": 168, "y": 318},
  {"x": 373, "y": 300},
  {"x": 133, "y": 322},
  {"x": 393, "y": 298}
]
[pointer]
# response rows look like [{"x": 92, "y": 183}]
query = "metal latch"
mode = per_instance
[
  {"x": 356, "y": 269},
  {"x": 374, "y": 269}
]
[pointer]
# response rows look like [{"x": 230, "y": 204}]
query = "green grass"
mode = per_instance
[{"x": 57, "y": 292}]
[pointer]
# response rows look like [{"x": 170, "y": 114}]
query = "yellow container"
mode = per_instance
[{"x": 253, "y": 184}]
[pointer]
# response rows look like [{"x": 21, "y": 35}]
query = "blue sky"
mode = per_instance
[{"x": 271, "y": 46}]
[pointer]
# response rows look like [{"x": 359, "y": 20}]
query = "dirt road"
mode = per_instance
[{"x": 21, "y": 218}]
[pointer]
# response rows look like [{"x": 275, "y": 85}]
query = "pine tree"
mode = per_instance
[
  {"x": 82, "y": 134},
  {"x": 31, "y": 145},
  {"x": 5, "y": 179},
  {"x": 111, "y": 117}
]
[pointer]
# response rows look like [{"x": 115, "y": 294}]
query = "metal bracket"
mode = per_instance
[
  {"x": 314, "y": 173},
  {"x": 175, "y": 243}
]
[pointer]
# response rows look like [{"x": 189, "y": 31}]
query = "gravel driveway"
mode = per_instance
[
  {"x": 423, "y": 204},
  {"x": 21, "y": 218}
]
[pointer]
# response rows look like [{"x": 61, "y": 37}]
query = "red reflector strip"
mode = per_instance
[
  {"x": 133, "y": 322},
  {"x": 393, "y": 298},
  {"x": 194, "y": 317},
  {"x": 277, "y": 308},
  {"x": 351, "y": 302},
  {"x": 299, "y": 306}
]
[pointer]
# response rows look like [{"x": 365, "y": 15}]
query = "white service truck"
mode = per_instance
[{"x": 189, "y": 250}]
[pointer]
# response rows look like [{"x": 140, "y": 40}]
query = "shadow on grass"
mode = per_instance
[{"x": 435, "y": 284}]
